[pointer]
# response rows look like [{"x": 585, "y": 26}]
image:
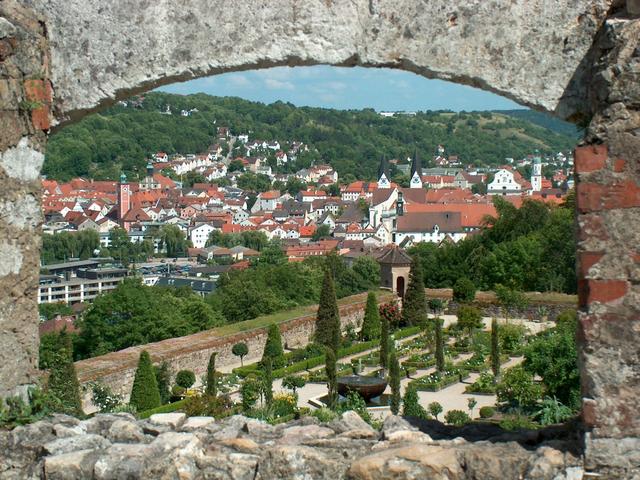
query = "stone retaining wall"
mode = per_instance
[{"x": 192, "y": 352}]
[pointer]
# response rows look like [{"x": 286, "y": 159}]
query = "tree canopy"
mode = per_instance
[
  {"x": 532, "y": 248},
  {"x": 135, "y": 314}
]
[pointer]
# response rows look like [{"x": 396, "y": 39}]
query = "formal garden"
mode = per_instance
[{"x": 456, "y": 369}]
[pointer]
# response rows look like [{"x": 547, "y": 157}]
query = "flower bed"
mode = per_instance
[
  {"x": 369, "y": 360},
  {"x": 476, "y": 363},
  {"x": 167, "y": 408},
  {"x": 320, "y": 376},
  {"x": 483, "y": 385},
  {"x": 420, "y": 360},
  {"x": 437, "y": 381},
  {"x": 305, "y": 364}
]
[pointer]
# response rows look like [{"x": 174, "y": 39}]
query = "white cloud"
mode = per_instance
[
  {"x": 237, "y": 80},
  {"x": 274, "y": 84},
  {"x": 336, "y": 85},
  {"x": 329, "y": 98},
  {"x": 399, "y": 83}
]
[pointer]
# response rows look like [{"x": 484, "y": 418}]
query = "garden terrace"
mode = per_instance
[{"x": 191, "y": 352}]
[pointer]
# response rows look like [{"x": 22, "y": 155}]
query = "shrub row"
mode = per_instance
[
  {"x": 419, "y": 365},
  {"x": 305, "y": 364},
  {"x": 406, "y": 332},
  {"x": 435, "y": 381},
  {"x": 167, "y": 408}
]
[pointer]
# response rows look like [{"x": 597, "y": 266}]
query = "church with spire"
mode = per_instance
[
  {"x": 416, "y": 172},
  {"x": 383, "y": 174}
]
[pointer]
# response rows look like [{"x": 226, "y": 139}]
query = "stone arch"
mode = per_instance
[
  {"x": 578, "y": 59},
  {"x": 104, "y": 51}
]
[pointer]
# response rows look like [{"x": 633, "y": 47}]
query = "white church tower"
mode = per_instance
[
  {"x": 383, "y": 174},
  {"x": 536, "y": 174},
  {"x": 416, "y": 172}
]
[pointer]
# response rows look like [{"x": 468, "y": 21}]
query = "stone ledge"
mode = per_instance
[{"x": 238, "y": 447}]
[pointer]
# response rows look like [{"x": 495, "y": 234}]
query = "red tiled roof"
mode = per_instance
[
  {"x": 471, "y": 214},
  {"x": 270, "y": 195},
  {"x": 57, "y": 324},
  {"x": 307, "y": 231}
]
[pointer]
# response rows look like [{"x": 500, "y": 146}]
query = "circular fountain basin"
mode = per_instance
[{"x": 367, "y": 387}]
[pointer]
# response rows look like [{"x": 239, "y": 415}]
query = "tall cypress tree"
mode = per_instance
[
  {"x": 328, "y": 317},
  {"x": 212, "y": 384},
  {"x": 384, "y": 342},
  {"x": 495, "y": 350},
  {"x": 267, "y": 383},
  {"x": 414, "y": 303},
  {"x": 371, "y": 322},
  {"x": 144, "y": 393},
  {"x": 163, "y": 379},
  {"x": 439, "y": 345},
  {"x": 273, "y": 347},
  {"x": 63, "y": 381},
  {"x": 394, "y": 381},
  {"x": 332, "y": 380}
]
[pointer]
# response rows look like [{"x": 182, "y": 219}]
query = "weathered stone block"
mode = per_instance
[
  {"x": 71, "y": 466},
  {"x": 594, "y": 197},
  {"x": 590, "y": 158},
  {"x": 39, "y": 94},
  {"x": 173, "y": 420},
  {"x": 602, "y": 291}
]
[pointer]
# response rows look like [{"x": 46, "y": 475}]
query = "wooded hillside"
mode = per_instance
[{"x": 352, "y": 141}]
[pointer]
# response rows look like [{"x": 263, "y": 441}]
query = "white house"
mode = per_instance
[
  {"x": 505, "y": 182},
  {"x": 433, "y": 227},
  {"x": 266, "y": 201},
  {"x": 200, "y": 234}
]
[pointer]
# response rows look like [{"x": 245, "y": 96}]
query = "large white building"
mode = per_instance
[
  {"x": 200, "y": 234},
  {"x": 505, "y": 182}
]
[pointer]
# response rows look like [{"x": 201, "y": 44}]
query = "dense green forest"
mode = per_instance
[
  {"x": 544, "y": 120},
  {"x": 352, "y": 141},
  {"x": 532, "y": 248},
  {"x": 134, "y": 314}
]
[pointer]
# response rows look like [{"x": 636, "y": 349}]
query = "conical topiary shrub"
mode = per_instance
[
  {"x": 371, "y": 323},
  {"x": 62, "y": 383},
  {"x": 273, "y": 347},
  {"x": 328, "y": 317},
  {"x": 414, "y": 303},
  {"x": 144, "y": 393}
]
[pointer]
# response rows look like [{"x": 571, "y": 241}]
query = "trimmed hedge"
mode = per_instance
[
  {"x": 168, "y": 408},
  {"x": 313, "y": 362},
  {"x": 419, "y": 365},
  {"x": 406, "y": 332},
  {"x": 305, "y": 364},
  {"x": 298, "y": 367},
  {"x": 425, "y": 385}
]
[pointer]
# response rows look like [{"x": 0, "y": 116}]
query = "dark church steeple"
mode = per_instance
[
  {"x": 416, "y": 172},
  {"x": 383, "y": 174}
]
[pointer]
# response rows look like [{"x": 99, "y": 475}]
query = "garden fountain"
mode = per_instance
[{"x": 367, "y": 387}]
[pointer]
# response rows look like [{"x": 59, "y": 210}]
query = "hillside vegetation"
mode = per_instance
[{"x": 352, "y": 141}]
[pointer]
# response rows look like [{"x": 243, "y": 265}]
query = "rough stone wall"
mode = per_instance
[
  {"x": 192, "y": 352},
  {"x": 171, "y": 446},
  {"x": 608, "y": 200},
  {"x": 25, "y": 99},
  {"x": 102, "y": 51}
]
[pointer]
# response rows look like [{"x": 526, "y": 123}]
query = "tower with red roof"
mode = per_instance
[{"x": 124, "y": 197}]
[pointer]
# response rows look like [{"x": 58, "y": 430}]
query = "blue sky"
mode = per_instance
[{"x": 345, "y": 88}]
